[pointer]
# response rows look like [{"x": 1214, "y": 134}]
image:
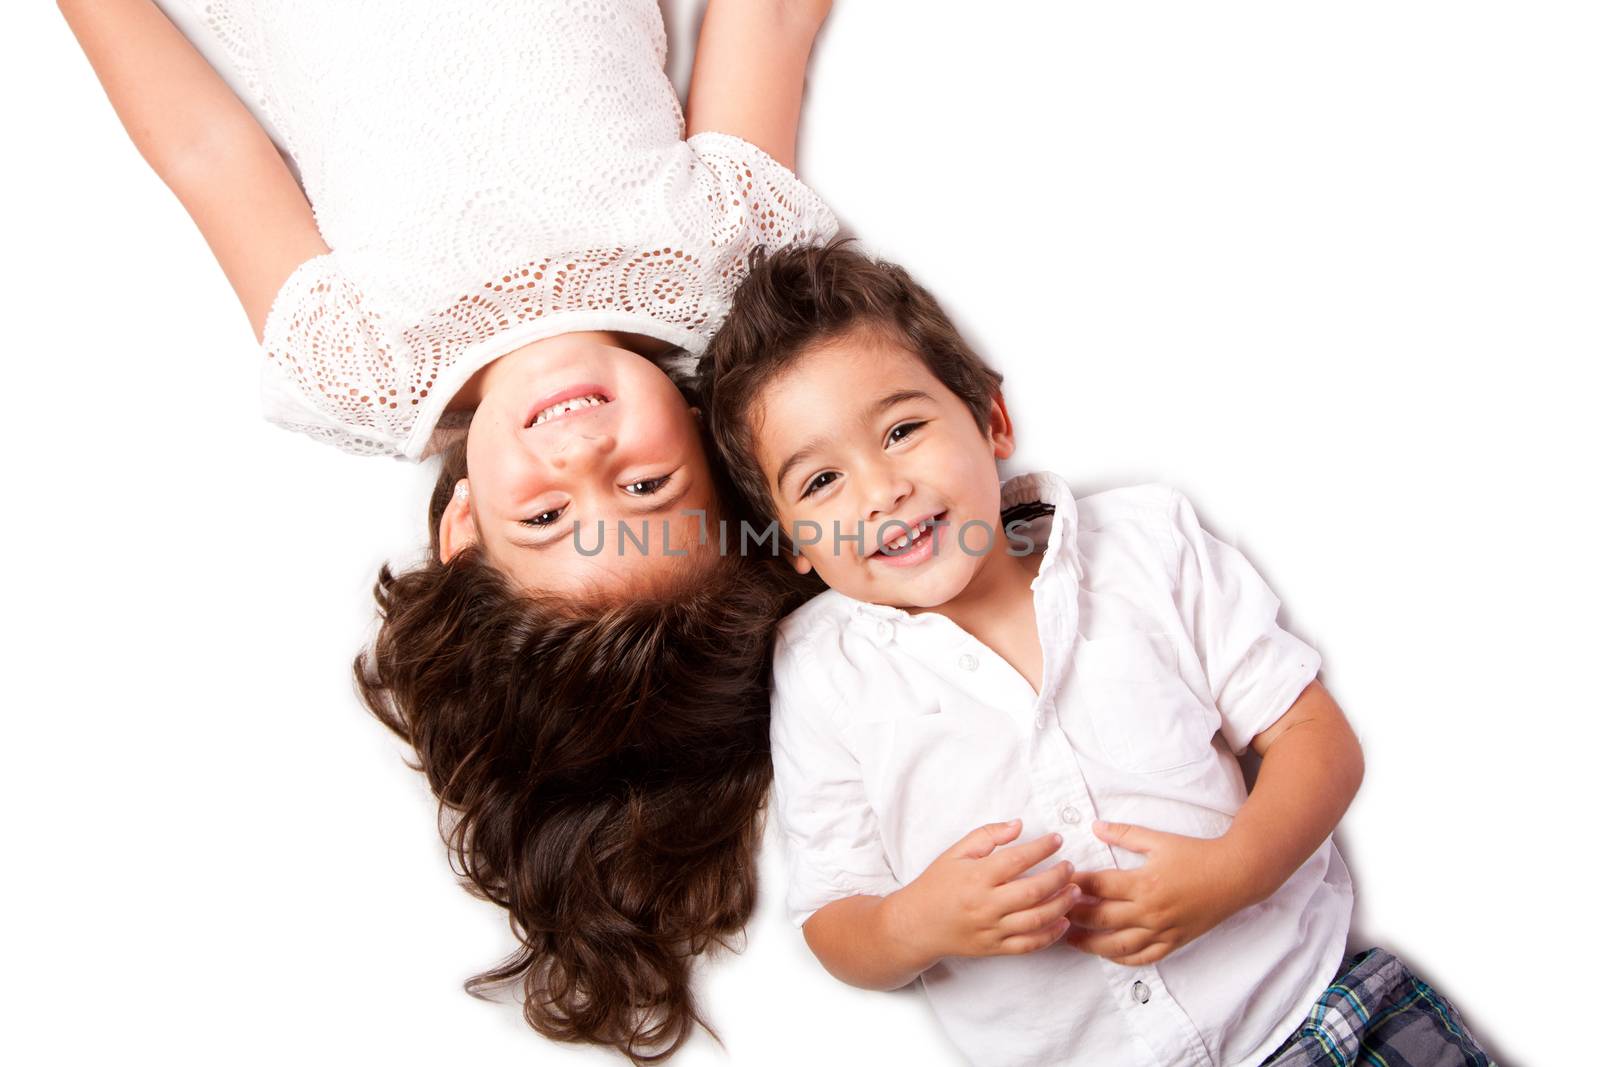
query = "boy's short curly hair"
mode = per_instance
[{"x": 800, "y": 297}]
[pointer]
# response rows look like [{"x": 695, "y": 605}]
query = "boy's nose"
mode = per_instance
[{"x": 885, "y": 492}]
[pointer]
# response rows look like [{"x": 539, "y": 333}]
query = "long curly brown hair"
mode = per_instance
[{"x": 600, "y": 767}]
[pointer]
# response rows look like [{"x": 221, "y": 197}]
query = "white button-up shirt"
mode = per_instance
[{"x": 894, "y": 735}]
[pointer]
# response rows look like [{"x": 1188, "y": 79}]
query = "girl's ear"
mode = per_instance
[
  {"x": 456, "y": 528},
  {"x": 800, "y": 564},
  {"x": 1001, "y": 435}
]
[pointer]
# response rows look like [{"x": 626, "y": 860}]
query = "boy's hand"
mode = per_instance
[
  {"x": 1186, "y": 886},
  {"x": 971, "y": 902}
]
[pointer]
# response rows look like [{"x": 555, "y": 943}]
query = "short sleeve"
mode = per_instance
[
  {"x": 829, "y": 829},
  {"x": 1255, "y": 668},
  {"x": 754, "y": 199},
  {"x": 331, "y": 370}
]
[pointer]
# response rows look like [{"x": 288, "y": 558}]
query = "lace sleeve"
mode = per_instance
[
  {"x": 330, "y": 369},
  {"x": 755, "y": 199}
]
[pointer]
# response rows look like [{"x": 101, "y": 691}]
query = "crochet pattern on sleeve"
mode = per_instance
[{"x": 487, "y": 173}]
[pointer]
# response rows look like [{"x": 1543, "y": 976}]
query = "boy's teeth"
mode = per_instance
[
  {"x": 905, "y": 539},
  {"x": 592, "y": 400}
]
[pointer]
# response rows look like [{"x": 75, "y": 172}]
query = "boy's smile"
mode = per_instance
[{"x": 880, "y": 473}]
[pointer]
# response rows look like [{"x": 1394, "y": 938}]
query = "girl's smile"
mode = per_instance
[{"x": 548, "y": 463}]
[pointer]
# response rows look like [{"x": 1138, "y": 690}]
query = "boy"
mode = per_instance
[{"x": 1005, "y": 656}]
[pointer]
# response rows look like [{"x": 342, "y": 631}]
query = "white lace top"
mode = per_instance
[{"x": 487, "y": 173}]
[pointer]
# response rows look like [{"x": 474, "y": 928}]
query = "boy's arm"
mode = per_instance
[
  {"x": 1311, "y": 766},
  {"x": 203, "y": 143},
  {"x": 859, "y": 942},
  {"x": 750, "y": 71},
  {"x": 971, "y": 901}
]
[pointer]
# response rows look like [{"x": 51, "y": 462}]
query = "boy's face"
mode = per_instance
[{"x": 859, "y": 436}]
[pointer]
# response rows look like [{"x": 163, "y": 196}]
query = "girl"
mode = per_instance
[
  {"x": 486, "y": 235},
  {"x": 501, "y": 230}
]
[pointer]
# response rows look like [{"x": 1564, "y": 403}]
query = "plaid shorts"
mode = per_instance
[{"x": 1378, "y": 1014}]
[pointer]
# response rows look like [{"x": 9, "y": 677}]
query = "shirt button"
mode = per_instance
[
  {"x": 1070, "y": 814},
  {"x": 1141, "y": 992},
  {"x": 968, "y": 661},
  {"x": 885, "y": 630}
]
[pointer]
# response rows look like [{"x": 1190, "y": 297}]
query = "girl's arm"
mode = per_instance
[
  {"x": 203, "y": 143},
  {"x": 750, "y": 71}
]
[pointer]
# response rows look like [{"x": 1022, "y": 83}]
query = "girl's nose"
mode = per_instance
[{"x": 579, "y": 450}]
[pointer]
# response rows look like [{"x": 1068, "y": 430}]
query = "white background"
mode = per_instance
[{"x": 1329, "y": 269}]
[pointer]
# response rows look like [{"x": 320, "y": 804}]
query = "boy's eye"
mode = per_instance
[
  {"x": 647, "y": 486},
  {"x": 904, "y": 430},
  {"x": 821, "y": 481},
  {"x": 544, "y": 518}
]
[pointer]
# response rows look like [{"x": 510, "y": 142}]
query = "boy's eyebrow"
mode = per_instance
[
  {"x": 812, "y": 446},
  {"x": 885, "y": 403}
]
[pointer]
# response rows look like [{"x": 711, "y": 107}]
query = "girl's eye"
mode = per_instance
[
  {"x": 904, "y": 430},
  {"x": 544, "y": 518},
  {"x": 647, "y": 486},
  {"x": 821, "y": 481}
]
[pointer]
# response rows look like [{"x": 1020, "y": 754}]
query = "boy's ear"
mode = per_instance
[
  {"x": 456, "y": 528},
  {"x": 1001, "y": 434}
]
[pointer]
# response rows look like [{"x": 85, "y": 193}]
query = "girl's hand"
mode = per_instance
[
  {"x": 971, "y": 902},
  {"x": 203, "y": 143},
  {"x": 1186, "y": 886}
]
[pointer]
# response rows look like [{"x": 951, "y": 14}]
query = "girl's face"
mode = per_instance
[
  {"x": 862, "y": 444},
  {"x": 569, "y": 433}
]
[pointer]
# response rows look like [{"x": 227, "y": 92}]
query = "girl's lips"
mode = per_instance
[{"x": 571, "y": 392}]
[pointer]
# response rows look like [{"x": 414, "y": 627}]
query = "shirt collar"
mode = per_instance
[{"x": 1061, "y": 549}]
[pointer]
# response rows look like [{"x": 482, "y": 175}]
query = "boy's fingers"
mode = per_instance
[
  {"x": 1106, "y": 884},
  {"x": 1105, "y": 915},
  {"x": 1018, "y": 944},
  {"x": 1042, "y": 916},
  {"x": 1023, "y": 893},
  {"x": 1124, "y": 835},
  {"x": 1157, "y": 950},
  {"x": 986, "y": 838},
  {"x": 1018, "y": 858},
  {"x": 1112, "y": 944}
]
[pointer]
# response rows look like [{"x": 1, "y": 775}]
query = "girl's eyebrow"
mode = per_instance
[
  {"x": 652, "y": 508},
  {"x": 541, "y": 543},
  {"x": 878, "y": 407}
]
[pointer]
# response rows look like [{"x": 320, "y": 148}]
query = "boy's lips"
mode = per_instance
[
  {"x": 907, "y": 548},
  {"x": 565, "y": 402}
]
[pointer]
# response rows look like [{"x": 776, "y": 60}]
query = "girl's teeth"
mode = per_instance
[{"x": 565, "y": 406}]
